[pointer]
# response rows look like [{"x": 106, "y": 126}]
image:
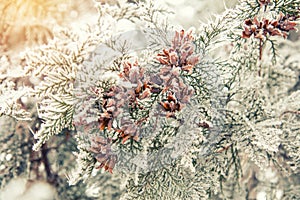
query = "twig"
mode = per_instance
[
  {"x": 260, "y": 56},
  {"x": 45, "y": 160},
  {"x": 290, "y": 111}
]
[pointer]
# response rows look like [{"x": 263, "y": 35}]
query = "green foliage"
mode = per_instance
[{"x": 207, "y": 113}]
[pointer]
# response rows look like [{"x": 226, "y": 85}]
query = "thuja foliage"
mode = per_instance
[{"x": 155, "y": 111}]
